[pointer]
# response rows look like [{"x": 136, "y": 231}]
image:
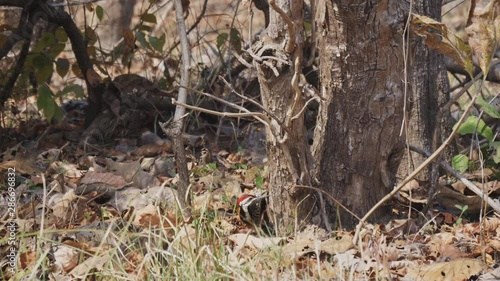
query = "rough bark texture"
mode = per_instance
[
  {"x": 288, "y": 151},
  {"x": 357, "y": 146},
  {"x": 429, "y": 88},
  {"x": 117, "y": 18}
]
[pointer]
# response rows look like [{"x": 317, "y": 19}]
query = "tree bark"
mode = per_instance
[
  {"x": 357, "y": 145},
  {"x": 288, "y": 151},
  {"x": 429, "y": 92}
]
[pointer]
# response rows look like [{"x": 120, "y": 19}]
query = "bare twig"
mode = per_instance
[
  {"x": 472, "y": 187},
  {"x": 270, "y": 114},
  {"x": 195, "y": 24},
  {"x": 304, "y": 107},
  {"x": 329, "y": 197},
  {"x": 176, "y": 127},
  {"x": 295, "y": 85},
  {"x": 257, "y": 115}
]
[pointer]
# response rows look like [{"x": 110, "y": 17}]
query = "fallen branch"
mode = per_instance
[{"x": 472, "y": 187}]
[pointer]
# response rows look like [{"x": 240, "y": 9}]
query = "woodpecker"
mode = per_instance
[{"x": 253, "y": 210}]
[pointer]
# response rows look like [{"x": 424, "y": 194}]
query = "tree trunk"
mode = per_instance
[
  {"x": 288, "y": 151},
  {"x": 120, "y": 16},
  {"x": 429, "y": 92},
  {"x": 117, "y": 19},
  {"x": 357, "y": 144}
]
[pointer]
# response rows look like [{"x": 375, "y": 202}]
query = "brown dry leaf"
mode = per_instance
[
  {"x": 495, "y": 244},
  {"x": 24, "y": 166},
  {"x": 438, "y": 37},
  {"x": 70, "y": 170},
  {"x": 107, "y": 178},
  {"x": 129, "y": 38},
  {"x": 251, "y": 175},
  {"x": 480, "y": 174},
  {"x": 331, "y": 246},
  {"x": 28, "y": 259},
  {"x": 134, "y": 259},
  {"x": 461, "y": 269},
  {"x": 60, "y": 204},
  {"x": 93, "y": 77},
  {"x": 147, "y": 217},
  {"x": 482, "y": 34},
  {"x": 153, "y": 149},
  {"x": 86, "y": 268},
  {"x": 140, "y": 198},
  {"x": 184, "y": 241},
  {"x": 66, "y": 257},
  {"x": 126, "y": 170},
  {"x": 242, "y": 240},
  {"x": 449, "y": 198}
]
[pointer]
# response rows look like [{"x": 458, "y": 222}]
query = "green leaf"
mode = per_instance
[
  {"x": 76, "y": 89},
  {"x": 62, "y": 67},
  {"x": 139, "y": 36},
  {"x": 47, "y": 40},
  {"x": 149, "y": 18},
  {"x": 61, "y": 35},
  {"x": 489, "y": 109},
  {"x": 496, "y": 156},
  {"x": 90, "y": 36},
  {"x": 221, "y": 39},
  {"x": 99, "y": 12},
  {"x": 475, "y": 125},
  {"x": 46, "y": 102},
  {"x": 43, "y": 68},
  {"x": 235, "y": 39},
  {"x": 259, "y": 181},
  {"x": 55, "y": 50},
  {"x": 460, "y": 163},
  {"x": 143, "y": 27},
  {"x": 157, "y": 43}
]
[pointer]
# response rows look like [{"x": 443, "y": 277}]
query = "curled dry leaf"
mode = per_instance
[
  {"x": 108, "y": 178},
  {"x": 461, "y": 269},
  {"x": 241, "y": 240},
  {"x": 66, "y": 257}
]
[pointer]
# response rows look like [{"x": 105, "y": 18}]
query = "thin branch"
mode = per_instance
[
  {"x": 195, "y": 24},
  {"x": 295, "y": 83},
  {"x": 176, "y": 127},
  {"x": 14, "y": 3},
  {"x": 304, "y": 108},
  {"x": 18, "y": 69},
  {"x": 223, "y": 101},
  {"x": 492, "y": 76},
  {"x": 472, "y": 187},
  {"x": 257, "y": 115},
  {"x": 273, "y": 116}
]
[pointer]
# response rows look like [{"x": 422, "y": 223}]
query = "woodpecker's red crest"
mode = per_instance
[{"x": 253, "y": 210}]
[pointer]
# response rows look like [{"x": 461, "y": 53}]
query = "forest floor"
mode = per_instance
[{"x": 74, "y": 210}]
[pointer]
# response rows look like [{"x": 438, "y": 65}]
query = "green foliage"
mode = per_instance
[
  {"x": 47, "y": 104},
  {"x": 149, "y": 18},
  {"x": 62, "y": 67},
  {"x": 99, "y": 12},
  {"x": 462, "y": 209},
  {"x": 475, "y": 125},
  {"x": 233, "y": 37},
  {"x": 259, "y": 181},
  {"x": 239, "y": 166},
  {"x": 43, "y": 67},
  {"x": 460, "y": 162},
  {"x": 489, "y": 109}
]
